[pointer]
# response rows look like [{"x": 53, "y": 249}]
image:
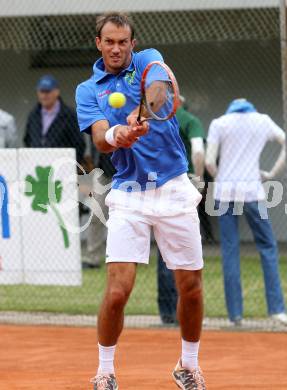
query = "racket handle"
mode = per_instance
[
  {"x": 140, "y": 111},
  {"x": 139, "y": 122}
]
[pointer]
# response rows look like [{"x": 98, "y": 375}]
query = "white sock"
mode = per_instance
[
  {"x": 106, "y": 359},
  {"x": 189, "y": 357}
]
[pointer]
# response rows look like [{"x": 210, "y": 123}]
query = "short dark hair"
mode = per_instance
[{"x": 118, "y": 18}]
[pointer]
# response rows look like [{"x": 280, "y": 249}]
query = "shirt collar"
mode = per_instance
[
  {"x": 241, "y": 106},
  {"x": 100, "y": 73},
  {"x": 55, "y": 110}
]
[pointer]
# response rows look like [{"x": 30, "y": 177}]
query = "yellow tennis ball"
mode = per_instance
[{"x": 117, "y": 100}]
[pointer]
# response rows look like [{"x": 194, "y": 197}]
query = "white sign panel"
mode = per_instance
[{"x": 50, "y": 221}]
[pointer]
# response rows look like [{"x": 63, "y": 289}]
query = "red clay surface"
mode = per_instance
[{"x": 58, "y": 358}]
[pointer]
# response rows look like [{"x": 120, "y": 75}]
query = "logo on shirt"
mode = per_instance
[
  {"x": 130, "y": 77},
  {"x": 104, "y": 93}
]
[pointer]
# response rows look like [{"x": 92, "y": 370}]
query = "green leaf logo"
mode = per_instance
[
  {"x": 130, "y": 77},
  {"x": 46, "y": 193}
]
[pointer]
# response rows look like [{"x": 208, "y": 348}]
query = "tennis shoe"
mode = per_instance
[
  {"x": 105, "y": 382},
  {"x": 188, "y": 379},
  {"x": 281, "y": 318}
]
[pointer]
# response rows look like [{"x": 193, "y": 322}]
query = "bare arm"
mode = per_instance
[
  {"x": 211, "y": 157},
  {"x": 98, "y": 135},
  {"x": 280, "y": 163},
  {"x": 197, "y": 156},
  {"x": 281, "y": 160},
  {"x": 156, "y": 95}
]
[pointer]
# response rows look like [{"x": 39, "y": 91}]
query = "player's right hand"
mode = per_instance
[
  {"x": 124, "y": 137},
  {"x": 138, "y": 128}
]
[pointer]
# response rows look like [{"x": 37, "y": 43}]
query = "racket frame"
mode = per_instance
[{"x": 143, "y": 102}]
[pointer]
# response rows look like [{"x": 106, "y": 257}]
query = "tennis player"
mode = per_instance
[{"x": 150, "y": 190}]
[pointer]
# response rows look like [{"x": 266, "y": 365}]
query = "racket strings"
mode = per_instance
[{"x": 160, "y": 93}]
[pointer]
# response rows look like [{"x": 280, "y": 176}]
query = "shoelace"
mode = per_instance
[
  {"x": 195, "y": 379},
  {"x": 101, "y": 380},
  {"x": 199, "y": 380}
]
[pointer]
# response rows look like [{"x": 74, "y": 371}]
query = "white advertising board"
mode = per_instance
[{"x": 43, "y": 246}]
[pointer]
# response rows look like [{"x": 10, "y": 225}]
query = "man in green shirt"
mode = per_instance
[{"x": 192, "y": 134}]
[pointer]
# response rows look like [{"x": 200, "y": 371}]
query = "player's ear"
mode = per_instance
[
  {"x": 134, "y": 42},
  {"x": 98, "y": 43}
]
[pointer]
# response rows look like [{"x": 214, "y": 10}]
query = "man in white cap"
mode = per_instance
[{"x": 51, "y": 123}]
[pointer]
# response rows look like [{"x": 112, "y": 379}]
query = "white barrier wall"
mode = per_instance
[{"x": 44, "y": 244}]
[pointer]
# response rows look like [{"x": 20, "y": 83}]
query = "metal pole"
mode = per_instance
[{"x": 283, "y": 39}]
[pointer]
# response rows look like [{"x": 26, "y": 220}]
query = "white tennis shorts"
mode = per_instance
[{"x": 170, "y": 211}]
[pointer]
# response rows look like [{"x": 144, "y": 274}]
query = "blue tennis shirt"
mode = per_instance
[{"x": 159, "y": 155}]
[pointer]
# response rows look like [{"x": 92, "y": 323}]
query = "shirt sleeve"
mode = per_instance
[
  {"x": 195, "y": 129},
  {"x": 275, "y": 133},
  {"x": 213, "y": 133},
  {"x": 88, "y": 110},
  {"x": 156, "y": 72},
  {"x": 147, "y": 56}
]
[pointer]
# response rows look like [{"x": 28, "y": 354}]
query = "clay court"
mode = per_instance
[{"x": 54, "y": 358}]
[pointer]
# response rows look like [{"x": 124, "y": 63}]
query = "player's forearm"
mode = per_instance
[
  {"x": 104, "y": 147},
  {"x": 99, "y": 140},
  {"x": 155, "y": 96}
]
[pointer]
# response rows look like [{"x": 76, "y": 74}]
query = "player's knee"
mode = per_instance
[
  {"x": 117, "y": 297},
  {"x": 191, "y": 289}
]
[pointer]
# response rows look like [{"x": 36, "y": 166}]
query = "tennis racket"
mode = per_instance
[{"x": 159, "y": 93}]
